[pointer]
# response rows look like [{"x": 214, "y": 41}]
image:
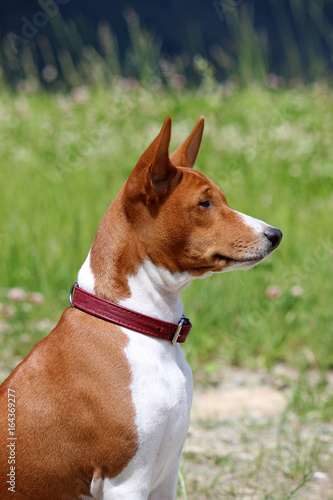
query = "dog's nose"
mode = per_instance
[{"x": 274, "y": 235}]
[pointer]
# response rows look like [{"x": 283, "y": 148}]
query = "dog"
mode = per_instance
[{"x": 100, "y": 407}]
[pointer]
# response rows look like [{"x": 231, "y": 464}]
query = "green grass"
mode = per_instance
[
  {"x": 264, "y": 461},
  {"x": 62, "y": 162}
]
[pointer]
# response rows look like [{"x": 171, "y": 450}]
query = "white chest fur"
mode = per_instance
[
  {"x": 161, "y": 386},
  {"x": 162, "y": 395}
]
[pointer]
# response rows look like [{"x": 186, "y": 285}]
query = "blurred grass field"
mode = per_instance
[{"x": 63, "y": 158}]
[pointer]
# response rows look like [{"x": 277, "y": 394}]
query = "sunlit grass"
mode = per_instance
[{"x": 64, "y": 158}]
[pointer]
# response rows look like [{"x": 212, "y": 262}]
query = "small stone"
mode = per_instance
[{"x": 320, "y": 476}]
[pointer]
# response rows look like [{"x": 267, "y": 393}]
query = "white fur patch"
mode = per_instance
[
  {"x": 162, "y": 396},
  {"x": 85, "y": 276},
  {"x": 156, "y": 292}
]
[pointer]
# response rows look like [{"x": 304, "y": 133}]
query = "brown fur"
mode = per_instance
[{"x": 71, "y": 423}]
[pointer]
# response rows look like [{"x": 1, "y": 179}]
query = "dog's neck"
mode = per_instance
[
  {"x": 154, "y": 291},
  {"x": 117, "y": 269}
]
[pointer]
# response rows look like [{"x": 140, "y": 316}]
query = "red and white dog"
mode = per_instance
[{"x": 102, "y": 411}]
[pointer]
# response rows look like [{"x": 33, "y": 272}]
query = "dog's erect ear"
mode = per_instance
[
  {"x": 154, "y": 171},
  {"x": 186, "y": 154},
  {"x": 160, "y": 166}
]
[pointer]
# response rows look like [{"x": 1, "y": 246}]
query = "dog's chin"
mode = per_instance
[
  {"x": 229, "y": 264},
  {"x": 247, "y": 264},
  {"x": 222, "y": 264}
]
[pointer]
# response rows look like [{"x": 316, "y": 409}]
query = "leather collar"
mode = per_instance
[{"x": 121, "y": 316}]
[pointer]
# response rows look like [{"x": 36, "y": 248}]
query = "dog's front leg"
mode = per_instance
[{"x": 167, "y": 490}]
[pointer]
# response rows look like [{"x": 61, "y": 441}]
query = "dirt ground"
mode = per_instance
[{"x": 244, "y": 443}]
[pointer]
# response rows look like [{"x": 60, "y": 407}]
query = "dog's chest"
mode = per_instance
[{"x": 162, "y": 395}]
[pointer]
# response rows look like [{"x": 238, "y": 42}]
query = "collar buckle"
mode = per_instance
[
  {"x": 178, "y": 330},
  {"x": 71, "y": 293}
]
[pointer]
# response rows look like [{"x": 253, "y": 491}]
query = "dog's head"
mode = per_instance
[
  {"x": 183, "y": 218},
  {"x": 175, "y": 220}
]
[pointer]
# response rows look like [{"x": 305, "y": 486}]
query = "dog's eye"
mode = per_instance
[{"x": 205, "y": 204}]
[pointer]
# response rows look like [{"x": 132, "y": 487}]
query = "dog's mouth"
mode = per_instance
[
  {"x": 221, "y": 263},
  {"x": 230, "y": 260},
  {"x": 229, "y": 263}
]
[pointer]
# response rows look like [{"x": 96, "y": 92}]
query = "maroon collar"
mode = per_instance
[{"x": 109, "y": 311}]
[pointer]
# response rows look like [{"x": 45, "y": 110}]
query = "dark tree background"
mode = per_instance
[{"x": 297, "y": 34}]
